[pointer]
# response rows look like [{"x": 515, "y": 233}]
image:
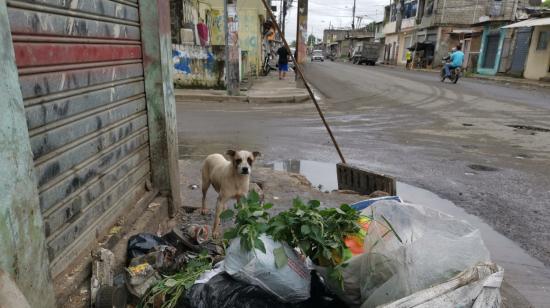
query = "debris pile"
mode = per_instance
[{"x": 378, "y": 252}]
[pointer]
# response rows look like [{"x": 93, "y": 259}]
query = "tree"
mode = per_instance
[
  {"x": 546, "y": 3},
  {"x": 311, "y": 40},
  {"x": 293, "y": 44}
]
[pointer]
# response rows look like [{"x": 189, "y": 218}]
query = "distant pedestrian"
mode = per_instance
[
  {"x": 408, "y": 57},
  {"x": 283, "y": 61}
]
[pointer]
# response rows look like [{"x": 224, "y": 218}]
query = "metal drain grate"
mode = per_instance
[{"x": 533, "y": 128}]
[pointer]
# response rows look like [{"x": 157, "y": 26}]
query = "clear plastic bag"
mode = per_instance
[
  {"x": 430, "y": 248},
  {"x": 290, "y": 283}
]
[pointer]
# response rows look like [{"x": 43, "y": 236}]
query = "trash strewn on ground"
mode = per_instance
[{"x": 377, "y": 252}]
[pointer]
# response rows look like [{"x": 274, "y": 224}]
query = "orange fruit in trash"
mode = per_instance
[{"x": 355, "y": 244}]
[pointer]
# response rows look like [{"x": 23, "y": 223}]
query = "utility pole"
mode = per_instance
[
  {"x": 301, "y": 36},
  {"x": 232, "y": 55},
  {"x": 353, "y": 20},
  {"x": 285, "y": 7}
]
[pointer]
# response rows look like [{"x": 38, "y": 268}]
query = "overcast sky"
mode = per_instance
[{"x": 322, "y": 13}]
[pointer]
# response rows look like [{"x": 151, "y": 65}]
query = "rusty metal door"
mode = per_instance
[
  {"x": 521, "y": 50},
  {"x": 81, "y": 76}
]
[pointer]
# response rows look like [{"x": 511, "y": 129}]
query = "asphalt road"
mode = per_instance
[{"x": 454, "y": 140}]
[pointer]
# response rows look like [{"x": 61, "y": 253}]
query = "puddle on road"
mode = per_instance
[
  {"x": 503, "y": 250},
  {"x": 321, "y": 175}
]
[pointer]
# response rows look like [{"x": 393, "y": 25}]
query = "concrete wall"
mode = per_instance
[
  {"x": 389, "y": 27},
  {"x": 393, "y": 41},
  {"x": 201, "y": 65},
  {"x": 250, "y": 36},
  {"x": 408, "y": 23},
  {"x": 198, "y": 67},
  {"x": 466, "y": 12},
  {"x": 537, "y": 63},
  {"x": 22, "y": 240}
]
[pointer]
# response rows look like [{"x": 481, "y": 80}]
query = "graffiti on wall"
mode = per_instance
[
  {"x": 217, "y": 25},
  {"x": 198, "y": 66},
  {"x": 198, "y": 60},
  {"x": 250, "y": 37},
  {"x": 202, "y": 30}
]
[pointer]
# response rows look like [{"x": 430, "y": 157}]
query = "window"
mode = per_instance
[
  {"x": 544, "y": 37},
  {"x": 410, "y": 9},
  {"x": 496, "y": 9},
  {"x": 393, "y": 12},
  {"x": 429, "y": 7}
]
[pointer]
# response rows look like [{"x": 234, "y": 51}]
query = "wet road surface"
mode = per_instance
[{"x": 480, "y": 145}]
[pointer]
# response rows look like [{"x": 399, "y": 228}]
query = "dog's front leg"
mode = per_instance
[{"x": 220, "y": 206}]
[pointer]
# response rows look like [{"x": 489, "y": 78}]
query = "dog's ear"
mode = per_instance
[
  {"x": 256, "y": 154},
  {"x": 230, "y": 153}
]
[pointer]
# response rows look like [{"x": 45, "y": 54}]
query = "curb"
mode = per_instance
[
  {"x": 514, "y": 82},
  {"x": 212, "y": 98}
]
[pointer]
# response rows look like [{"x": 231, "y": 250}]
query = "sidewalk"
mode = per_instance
[
  {"x": 507, "y": 80},
  {"x": 513, "y": 80},
  {"x": 265, "y": 89}
]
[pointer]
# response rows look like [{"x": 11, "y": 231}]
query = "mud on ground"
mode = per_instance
[{"x": 278, "y": 187}]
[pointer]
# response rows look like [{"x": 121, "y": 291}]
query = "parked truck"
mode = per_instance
[{"x": 366, "y": 53}]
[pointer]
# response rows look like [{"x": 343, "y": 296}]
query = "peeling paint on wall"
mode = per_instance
[
  {"x": 23, "y": 254},
  {"x": 198, "y": 67},
  {"x": 194, "y": 59}
]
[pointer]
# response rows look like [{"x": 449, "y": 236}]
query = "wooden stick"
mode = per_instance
[{"x": 299, "y": 70}]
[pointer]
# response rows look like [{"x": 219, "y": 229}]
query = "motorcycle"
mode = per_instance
[{"x": 455, "y": 72}]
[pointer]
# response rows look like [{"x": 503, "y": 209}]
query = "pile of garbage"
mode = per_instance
[{"x": 377, "y": 253}]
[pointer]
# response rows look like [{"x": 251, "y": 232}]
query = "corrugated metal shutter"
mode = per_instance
[
  {"x": 81, "y": 76},
  {"x": 521, "y": 51}
]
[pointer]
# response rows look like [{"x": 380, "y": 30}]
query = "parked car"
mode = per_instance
[{"x": 317, "y": 55}]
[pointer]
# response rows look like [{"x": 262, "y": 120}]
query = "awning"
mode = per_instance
[
  {"x": 530, "y": 23},
  {"x": 464, "y": 31},
  {"x": 422, "y": 46}
]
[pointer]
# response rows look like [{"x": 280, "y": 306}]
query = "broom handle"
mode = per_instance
[{"x": 299, "y": 70}]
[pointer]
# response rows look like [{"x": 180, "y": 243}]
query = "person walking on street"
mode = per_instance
[
  {"x": 283, "y": 62},
  {"x": 408, "y": 57}
]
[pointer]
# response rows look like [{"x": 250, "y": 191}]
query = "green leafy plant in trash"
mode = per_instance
[
  {"x": 251, "y": 221},
  {"x": 317, "y": 233},
  {"x": 171, "y": 288}
]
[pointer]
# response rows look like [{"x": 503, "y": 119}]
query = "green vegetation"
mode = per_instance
[
  {"x": 171, "y": 288},
  {"x": 317, "y": 233}
]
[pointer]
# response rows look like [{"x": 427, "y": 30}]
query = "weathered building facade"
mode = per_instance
[
  {"x": 199, "y": 41},
  {"x": 341, "y": 42},
  {"x": 531, "y": 54},
  {"x": 433, "y": 27},
  {"x": 87, "y": 131}
]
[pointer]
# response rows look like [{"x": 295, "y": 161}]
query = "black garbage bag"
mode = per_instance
[
  {"x": 321, "y": 296},
  {"x": 142, "y": 244},
  {"x": 222, "y": 291}
]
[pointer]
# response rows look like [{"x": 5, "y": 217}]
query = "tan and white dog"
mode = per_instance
[{"x": 230, "y": 179}]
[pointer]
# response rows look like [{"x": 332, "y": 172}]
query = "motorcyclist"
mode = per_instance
[{"x": 456, "y": 60}]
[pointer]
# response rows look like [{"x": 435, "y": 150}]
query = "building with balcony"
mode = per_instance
[{"x": 431, "y": 28}]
